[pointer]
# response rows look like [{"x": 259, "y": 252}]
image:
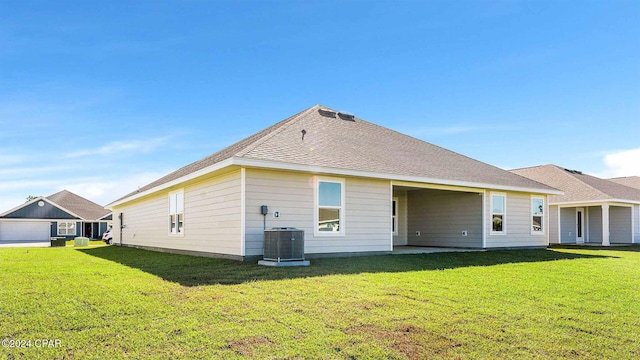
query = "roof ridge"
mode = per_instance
[
  {"x": 573, "y": 175},
  {"x": 531, "y": 167},
  {"x": 284, "y": 124},
  {"x": 77, "y": 205},
  {"x": 70, "y": 193},
  {"x": 623, "y": 177}
]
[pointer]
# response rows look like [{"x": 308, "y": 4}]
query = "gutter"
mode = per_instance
[{"x": 265, "y": 164}]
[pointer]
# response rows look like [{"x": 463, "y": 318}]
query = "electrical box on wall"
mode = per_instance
[{"x": 264, "y": 210}]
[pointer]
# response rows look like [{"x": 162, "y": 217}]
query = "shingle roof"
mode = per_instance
[
  {"x": 577, "y": 186},
  {"x": 80, "y": 206},
  {"x": 631, "y": 181},
  {"x": 334, "y": 140}
]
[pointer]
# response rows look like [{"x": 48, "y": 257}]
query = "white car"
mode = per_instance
[{"x": 106, "y": 237}]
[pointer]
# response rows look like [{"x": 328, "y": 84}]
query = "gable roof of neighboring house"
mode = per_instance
[
  {"x": 579, "y": 187},
  {"x": 631, "y": 181},
  {"x": 61, "y": 205},
  {"x": 86, "y": 209},
  {"x": 323, "y": 140}
]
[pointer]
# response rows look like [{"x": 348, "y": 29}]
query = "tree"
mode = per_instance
[{"x": 32, "y": 197}]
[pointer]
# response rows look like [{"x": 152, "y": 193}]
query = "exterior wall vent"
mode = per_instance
[{"x": 327, "y": 113}]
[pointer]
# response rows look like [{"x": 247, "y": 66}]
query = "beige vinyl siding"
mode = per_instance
[
  {"x": 441, "y": 217},
  {"x": 554, "y": 236},
  {"x": 144, "y": 221},
  {"x": 594, "y": 223},
  {"x": 620, "y": 224},
  {"x": 367, "y": 220},
  {"x": 518, "y": 223},
  {"x": 212, "y": 217},
  {"x": 401, "y": 216}
]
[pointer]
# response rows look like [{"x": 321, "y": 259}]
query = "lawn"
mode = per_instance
[{"x": 112, "y": 302}]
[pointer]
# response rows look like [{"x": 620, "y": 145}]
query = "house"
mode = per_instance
[
  {"x": 354, "y": 188},
  {"x": 591, "y": 210},
  {"x": 631, "y": 181},
  {"x": 63, "y": 214}
]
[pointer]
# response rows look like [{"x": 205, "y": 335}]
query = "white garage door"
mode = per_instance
[{"x": 25, "y": 231}]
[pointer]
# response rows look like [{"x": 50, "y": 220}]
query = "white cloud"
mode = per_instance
[
  {"x": 8, "y": 202},
  {"x": 439, "y": 131},
  {"x": 11, "y": 159},
  {"x": 15, "y": 192},
  {"x": 116, "y": 147},
  {"x": 26, "y": 184},
  {"x": 452, "y": 130},
  {"x": 35, "y": 170},
  {"x": 622, "y": 163},
  {"x": 96, "y": 189},
  {"x": 103, "y": 192}
]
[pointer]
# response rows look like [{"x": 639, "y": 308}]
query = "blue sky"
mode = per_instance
[{"x": 103, "y": 97}]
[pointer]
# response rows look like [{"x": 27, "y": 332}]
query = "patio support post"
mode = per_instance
[{"x": 605, "y": 225}]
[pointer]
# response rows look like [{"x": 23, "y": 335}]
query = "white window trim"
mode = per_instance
[
  {"x": 504, "y": 214},
  {"x": 316, "y": 210},
  {"x": 394, "y": 219},
  {"x": 544, "y": 214},
  {"x": 169, "y": 213},
  {"x": 75, "y": 226}
]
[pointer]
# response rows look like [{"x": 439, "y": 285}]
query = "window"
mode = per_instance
[
  {"x": 537, "y": 215},
  {"x": 176, "y": 213},
  {"x": 67, "y": 228},
  {"x": 498, "y": 211},
  {"x": 330, "y": 207},
  {"x": 394, "y": 216}
]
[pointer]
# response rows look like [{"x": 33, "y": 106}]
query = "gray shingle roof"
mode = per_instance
[
  {"x": 332, "y": 140},
  {"x": 80, "y": 206},
  {"x": 577, "y": 186},
  {"x": 631, "y": 181}
]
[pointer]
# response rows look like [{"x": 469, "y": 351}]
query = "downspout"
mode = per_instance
[{"x": 121, "y": 217}]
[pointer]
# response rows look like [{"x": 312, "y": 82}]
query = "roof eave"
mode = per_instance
[
  {"x": 209, "y": 169},
  {"x": 601, "y": 201},
  {"x": 246, "y": 162},
  {"x": 377, "y": 175}
]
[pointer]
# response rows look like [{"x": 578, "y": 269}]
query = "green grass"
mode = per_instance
[{"x": 112, "y": 302}]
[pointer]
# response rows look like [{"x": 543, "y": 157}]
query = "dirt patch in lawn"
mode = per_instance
[
  {"x": 246, "y": 346},
  {"x": 408, "y": 340}
]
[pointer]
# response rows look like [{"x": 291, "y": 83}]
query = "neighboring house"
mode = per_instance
[
  {"x": 631, "y": 181},
  {"x": 63, "y": 214},
  {"x": 591, "y": 210},
  {"x": 352, "y": 186}
]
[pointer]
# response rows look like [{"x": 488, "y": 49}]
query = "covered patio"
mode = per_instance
[
  {"x": 428, "y": 218},
  {"x": 597, "y": 224}
]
